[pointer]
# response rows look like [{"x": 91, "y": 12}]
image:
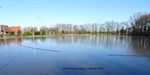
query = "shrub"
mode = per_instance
[
  {"x": 11, "y": 33},
  {"x": 37, "y": 33},
  {"x": 43, "y": 32},
  {"x": 26, "y": 33},
  {"x": 19, "y": 32}
]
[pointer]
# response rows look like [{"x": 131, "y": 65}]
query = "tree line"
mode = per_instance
[{"x": 138, "y": 24}]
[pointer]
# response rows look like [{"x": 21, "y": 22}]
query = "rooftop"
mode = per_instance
[
  {"x": 15, "y": 28},
  {"x": 5, "y": 28}
]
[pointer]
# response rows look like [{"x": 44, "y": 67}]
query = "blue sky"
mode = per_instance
[{"x": 25, "y": 12}]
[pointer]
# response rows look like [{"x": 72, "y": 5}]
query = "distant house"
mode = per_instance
[
  {"x": 5, "y": 28},
  {"x": 15, "y": 28}
]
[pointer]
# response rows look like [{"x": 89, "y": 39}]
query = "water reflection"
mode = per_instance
[
  {"x": 75, "y": 52},
  {"x": 140, "y": 45},
  {"x": 33, "y": 40},
  {"x": 9, "y": 41},
  {"x": 3, "y": 53},
  {"x": 137, "y": 45}
]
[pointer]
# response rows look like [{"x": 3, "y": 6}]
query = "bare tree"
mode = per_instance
[{"x": 140, "y": 23}]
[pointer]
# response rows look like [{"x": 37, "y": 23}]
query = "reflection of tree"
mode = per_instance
[
  {"x": 34, "y": 40},
  {"x": 136, "y": 45},
  {"x": 141, "y": 45},
  {"x": 43, "y": 39}
]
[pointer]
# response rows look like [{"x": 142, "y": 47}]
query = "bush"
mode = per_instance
[
  {"x": 11, "y": 33},
  {"x": 26, "y": 33},
  {"x": 43, "y": 32},
  {"x": 19, "y": 32},
  {"x": 63, "y": 32},
  {"x": 37, "y": 33}
]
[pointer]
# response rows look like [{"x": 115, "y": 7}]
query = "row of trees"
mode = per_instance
[
  {"x": 139, "y": 24},
  {"x": 109, "y": 27}
]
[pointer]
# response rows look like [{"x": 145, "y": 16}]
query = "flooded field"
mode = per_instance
[{"x": 75, "y": 55}]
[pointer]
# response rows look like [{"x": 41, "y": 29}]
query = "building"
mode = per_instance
[
  {"x": 15, "y": 28},
  {"x": 5, "y": 28}
]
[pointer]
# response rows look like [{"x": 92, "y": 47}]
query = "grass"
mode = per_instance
[{"x": 30, "y": 36}]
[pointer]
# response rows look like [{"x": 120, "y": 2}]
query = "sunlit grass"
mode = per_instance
[{"x": 30, "y": 36}]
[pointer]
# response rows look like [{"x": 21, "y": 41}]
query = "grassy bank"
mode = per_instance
[{"x": 30, "y": 36}]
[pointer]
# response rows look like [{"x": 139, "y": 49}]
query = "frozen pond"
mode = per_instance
[{"x": 75, "y": 55}]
